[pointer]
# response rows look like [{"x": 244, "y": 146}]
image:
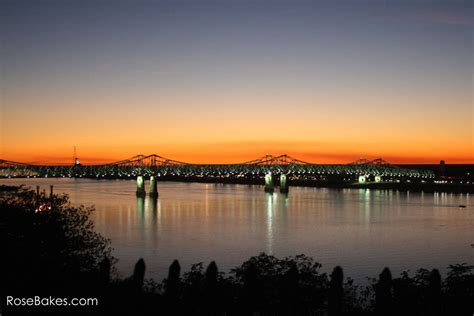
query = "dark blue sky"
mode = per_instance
[{"x": 387, "y": 65}]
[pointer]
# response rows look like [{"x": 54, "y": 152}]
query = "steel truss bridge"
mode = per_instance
[{"x": 172, "y": 169}]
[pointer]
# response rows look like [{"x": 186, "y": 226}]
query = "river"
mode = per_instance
[{"x": 362, "y": 230}]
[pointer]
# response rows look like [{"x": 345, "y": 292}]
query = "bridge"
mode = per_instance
[{"x": 155, "y": 165}]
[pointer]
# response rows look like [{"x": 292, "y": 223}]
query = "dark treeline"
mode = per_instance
[{"x": 49, "y": 248}]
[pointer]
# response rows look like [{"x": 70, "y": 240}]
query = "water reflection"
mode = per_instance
[
  {"x": 156, "y": 212},
  {"x": 141, "y": 211},
  {"x": 364, "y": 197},
  {"x": 276, "y": 205},
  {"x": 269, "y": 202}
]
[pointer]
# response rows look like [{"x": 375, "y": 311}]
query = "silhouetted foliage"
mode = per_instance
[
  {"x": 433, "y": 294},
  {"x": 210, "y": 289},
  {"x": 460, "y": 288},
  {"x": 266, "y": 279},
  {"x": 104, "y": 271},
  {"x": 383, "y": 293},
  {"x": 336, "y": 291},
  {"x": 173, "y": 288},
  {"x": 173, "y": 281},
  {"x": 139, "y": 274},
  {"x": 407, "y": 293},
  {"x": 47, "y": 242}
]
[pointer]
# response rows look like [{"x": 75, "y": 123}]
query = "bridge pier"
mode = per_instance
[
  {"x": 269, "y": 186},
  {"x": 153, "y": 188},
  {"x": 140, "y": 187},
  {"x": 283, "y": 184}
]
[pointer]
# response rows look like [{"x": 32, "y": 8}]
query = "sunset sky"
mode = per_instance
[{"x": 229, "y": 81}]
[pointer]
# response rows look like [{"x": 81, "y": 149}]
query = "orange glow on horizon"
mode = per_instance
[{"x": 238, "y": 152}]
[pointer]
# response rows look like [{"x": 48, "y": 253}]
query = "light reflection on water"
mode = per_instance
[{"x": 361, "y": 230}]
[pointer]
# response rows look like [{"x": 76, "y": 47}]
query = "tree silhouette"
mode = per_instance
[
  {"x": 173, "y": 287},
  {"x": 47, "y": 244},
  {"x": 290, "y": 289},
  {"x": 211, "y": 299},
  {"x": 433, "y": 294},
  {"x": 104, "y": 271},
  {"x": 383, "y": 293},
  {"x": 253, "y": 289},
  {"x": 336, "y": 291},
  {"x": 139, "y": 274}
]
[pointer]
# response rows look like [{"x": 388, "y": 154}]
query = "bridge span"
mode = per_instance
[{"x": 155, "y": 165}]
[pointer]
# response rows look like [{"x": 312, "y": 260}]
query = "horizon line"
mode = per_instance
[{"x": 261, "y": 158}]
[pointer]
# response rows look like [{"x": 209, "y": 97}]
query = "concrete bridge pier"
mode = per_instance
[
  {"x": 283, "y": 184},
  {"x": 140, "y": 187},
  {"x": 153, "y": 188},
  {"x": 269, "y": 186}
]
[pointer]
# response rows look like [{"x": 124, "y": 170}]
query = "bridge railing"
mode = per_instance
[{"x": 157, "y": 165}]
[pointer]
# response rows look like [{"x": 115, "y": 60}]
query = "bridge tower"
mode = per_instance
[
  {"x": 153, "y": 188},
  {"x": 283, "y": 184},
  {"x": 140, "y": 187},
  {"x": 269, "y": 186}
]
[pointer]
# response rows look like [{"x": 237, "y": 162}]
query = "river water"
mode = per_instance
[{"x": 362, "y": 230}]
